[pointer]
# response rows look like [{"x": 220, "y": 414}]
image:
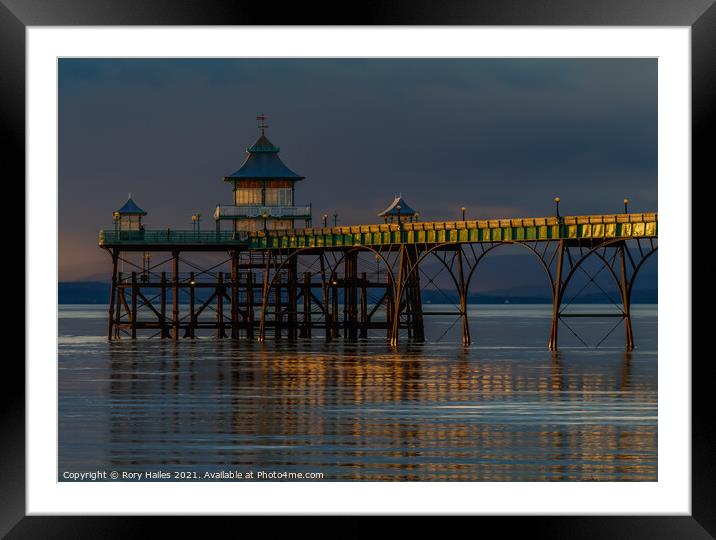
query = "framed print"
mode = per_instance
[{"x": 408, "y": 266}]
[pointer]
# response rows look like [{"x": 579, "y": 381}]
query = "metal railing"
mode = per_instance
[
  {"x": 255, "y": 211},
  {"x": 168, "y": 236}
]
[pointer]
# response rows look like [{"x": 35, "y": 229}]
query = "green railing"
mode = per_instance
[
  {"x": 168, "y": 236},
  {"x": 499, "y": 230}
]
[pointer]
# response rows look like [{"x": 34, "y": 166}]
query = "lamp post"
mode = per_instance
[
  {"x": 335, "y": 219},
  {"x": 145, "y": 265},
  {"x": 265, "y": 215},
  {"x": 196, "y": 220},
  {"x": 463, "y": 212},
  {"x": 325, "y": 220},
  {"x": 398, "y": 207},
  {"x": 556, "y": 202},
  {"x": 626, "y": 206},
  {"x": 115, "y": 218}
]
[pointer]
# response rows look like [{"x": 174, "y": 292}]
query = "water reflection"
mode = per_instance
[{"x": 361, "y": 412}]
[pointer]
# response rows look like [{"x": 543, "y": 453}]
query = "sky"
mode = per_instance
[{"x": 501, "y": 137}]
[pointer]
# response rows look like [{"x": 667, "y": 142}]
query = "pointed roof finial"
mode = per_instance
[{"x": 262, "y": 122}]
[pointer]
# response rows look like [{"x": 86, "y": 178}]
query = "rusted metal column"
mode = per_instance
[
  {"x": 163, "y": 332},
  {"x": 626, "y": 302},
  {"x": 363, "y": 305},
  {"x": 112, "y": 294},
  {"x": 220, "y": 305},
  {"x": 556, "y": 297},
  {"x": 463, "y": 300},
  {"x": 134, "y": 305},
  {"x": 306, "y": 326},
  {"x": 234, "y": 294},
  {"x": 175, "y": 295}
]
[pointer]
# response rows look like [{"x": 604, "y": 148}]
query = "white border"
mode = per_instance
[{"x": 670, "y": 495}]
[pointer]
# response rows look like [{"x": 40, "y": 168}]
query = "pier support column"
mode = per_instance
[
  {"x": 325, "y": 290},
  {"x": 350, "y": 296},
  {"x": 118, "y": 307},
  {"x": 112, "y": 295},
  {"x": 306, "y": 326},
  {"x": 556, "y": 297},
  {"x": 250, "y": 304},
  {"x": 292, "y": 308},
  {"x": 134, "y": 306},
  {"x": 398, "y": 300},
  {"x": 363, "y": 305},
  {"x": 463, "y": 301},
  {"x": 389, "y": 308},
  {"x": 413, "y": 298},
  {"x": 191, "y": 330},
  {"x": 175, "y": 295},
  {"x": 164, "y": 330},
  {"x": 220, "y": 305},
  {"x": 234, "y": 294},
  {"x": 626, "y": 302},
  {"x": 265, "y": 297}
]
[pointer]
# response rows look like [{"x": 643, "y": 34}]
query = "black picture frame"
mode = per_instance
[{"x": 700, "y": 15}]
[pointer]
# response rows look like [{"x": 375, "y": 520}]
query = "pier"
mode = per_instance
[{"x": 278, "y": 280}]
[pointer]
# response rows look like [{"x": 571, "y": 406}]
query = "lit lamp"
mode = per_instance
[
  {"x": 398, "y": 207},
  {"x": 463, "y": 212},
  {"x": 325, "y": 220},
  {"x": 626, "y": 206},
  {"x": 556, "y": 202},
  {"x": 196, "y": 219},
  {"x": 265, "y": 215},
  {"x": 115, "y": 218}
]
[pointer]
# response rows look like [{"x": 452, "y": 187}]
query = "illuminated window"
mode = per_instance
[
  {"x": 278, "y": 197},
  {"x": 129, "y": 223},
  {"x": 247, "y": 196}
]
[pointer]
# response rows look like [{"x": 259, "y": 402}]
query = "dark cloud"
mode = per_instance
[{"x": 496, "y": 135}]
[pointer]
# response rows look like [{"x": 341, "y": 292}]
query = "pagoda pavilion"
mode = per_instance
[{"x": 264, "y": 191}]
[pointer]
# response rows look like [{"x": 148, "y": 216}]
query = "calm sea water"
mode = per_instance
[{"x": 505, "y": 409}]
